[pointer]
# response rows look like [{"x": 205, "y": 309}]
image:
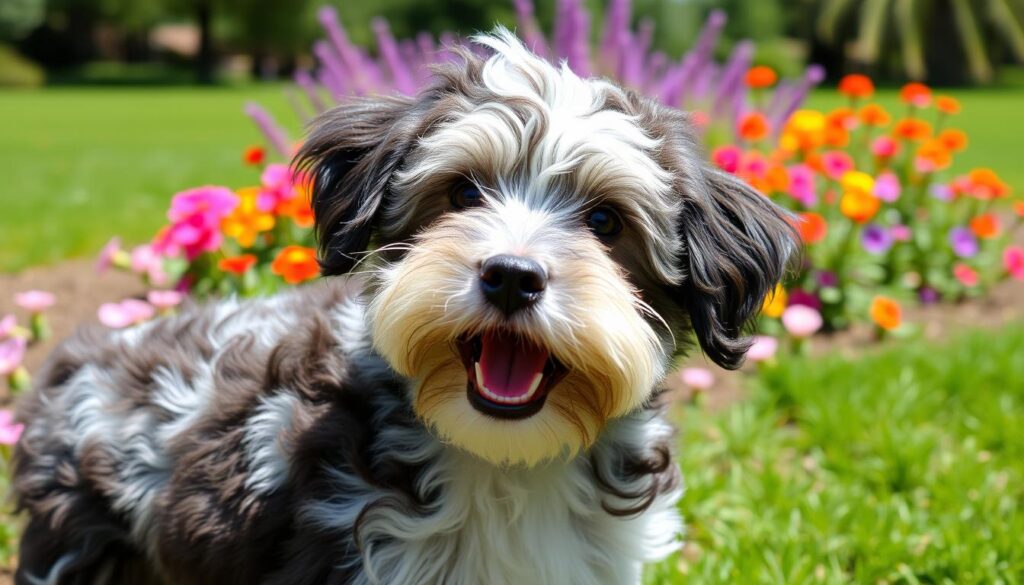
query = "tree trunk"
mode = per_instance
[{"x": 205, "y": 60}]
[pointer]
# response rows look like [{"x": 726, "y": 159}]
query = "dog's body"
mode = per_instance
[{"x": 481, "y": 408}]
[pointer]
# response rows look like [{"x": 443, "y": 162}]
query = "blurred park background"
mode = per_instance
[{"x": 888, "y": 448}]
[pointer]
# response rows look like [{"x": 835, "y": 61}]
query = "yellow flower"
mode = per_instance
[
  {"x": 857, "y": 182},
  {"x": 247, "y": 221},
  {"x": 775, "y": 302},
  {"x": 806, "y": 128}
]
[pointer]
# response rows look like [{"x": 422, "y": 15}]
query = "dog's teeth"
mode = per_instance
[
  {"x": 479, "y": 375},
  {"x": 535, "y": 384}
]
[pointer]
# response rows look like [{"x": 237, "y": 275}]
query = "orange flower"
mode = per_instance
[
  {"x": 777, "y": 178},
  {"x": 985, "y": 226},
  {"x": 298, "y": 207},
  {"x": 912, "y": 129},
  {"x": 296, "y": 264},
  {"x": 874, "y": 115},
  {"x": 1018, "y": 208},
  {"x": 753, "y": 126},
  {"x": 916, "y": 94},
  {"x": 254, "y": 155},
  {"x": 935, "y": 156},
  {"x": 954, "y": 140},
  {"x": 247, "y": 221},
  {"x": 886, "y": 313},
  {"x": 856, "y": 86},
  {"x": 760, "y": 77},
  {"x": 775, "y": 302},
  {"x": 805, "y": 130},
  {"x": 237, "y": 264},
  {"x": 986, "y": 184},
  {"x": 947, "y": 105},
  {"x": 859, "y": 206},
  {"x": 812, "y": 227}
]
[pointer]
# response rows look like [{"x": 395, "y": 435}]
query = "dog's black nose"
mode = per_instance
[{"x": 511, "y": 282}]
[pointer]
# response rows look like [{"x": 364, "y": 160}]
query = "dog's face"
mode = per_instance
[{"x": 540, "y": 247}]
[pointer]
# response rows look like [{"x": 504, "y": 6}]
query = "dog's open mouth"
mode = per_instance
[{"x": 509, "y": 376}]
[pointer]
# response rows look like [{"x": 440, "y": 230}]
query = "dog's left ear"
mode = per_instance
[
  {"x": 735, "y": 243},
  {"x": 350, "y": 155}
]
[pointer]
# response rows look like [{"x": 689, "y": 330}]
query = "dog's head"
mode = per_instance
[{"x": 540, "y": 246}]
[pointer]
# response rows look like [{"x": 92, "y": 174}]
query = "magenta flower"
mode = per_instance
[
  {"x": 278, "y": 186},
  {"x": 941, "y": 192},
  {"x": 802, "y": 185},
  {"x": 195, "y": 222},
  {"x": 929, "y": 295},
  {"x": 827, "y": 279},
  {"x": 801, "y": 321},
  {"x": 164, "y": 299},
  {"x": 763, "y": 348},
  {"x": 966, "y": 275},
  {"x": 798, "y": 296},
  {"x": 836, "y": 163},
  {"x": 10, "y": 431},
  {"x": 887, "y": 187},
  {"x": 35, "y": 301},
  {"x": 126, "y": 313},
  {"x": 884, "y": 147},
  {"x": 963, "y": 242},
  {"x": 12, "y": 352},
  {"x": 876, "y": 239},
  {"x": 727, "y": 158},
  {"x": 1013, "y": 261},
  {"x": 108, "y": 255},
  {"x": 697, "y": 378}
]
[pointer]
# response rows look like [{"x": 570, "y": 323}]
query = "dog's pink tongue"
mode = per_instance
[{"x": 509, "y": 364}]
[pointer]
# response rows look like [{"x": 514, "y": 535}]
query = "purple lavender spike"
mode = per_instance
[
  {"x": 333, "y": 86},
  {"x": 578, "y": 54},
  {"x": 730, "y": 87},
  {"x": 404, "y": 82},
  {"x": 529, "y": 31},
  {"x": 814, "y": 75},
  {"x": 703, "y": 80},
  {"x": 670, "y": 86},
  {"x": 615, "y": 35},
  {"x": 334, "y": 67},
  {"x": 448, "y": 40},
  {"x": 292, "y": 97},
  {"x": 305, "y": 81},
  {"x": 777, "y": 105},
  {"x": 630, "y": 61},
  {"x": 271, "y": 131},
  {"x": 349, "y": 54},
  {"x": 656, "y": 65},
  {"x": 705, "y": 45}
]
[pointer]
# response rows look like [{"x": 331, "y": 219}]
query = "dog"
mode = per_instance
[{"x": 477, "y": 402}]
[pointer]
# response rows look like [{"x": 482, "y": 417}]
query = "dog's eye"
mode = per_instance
[
  {"x": 466, "y": 195},
  {"x": 604, "y": 221}
]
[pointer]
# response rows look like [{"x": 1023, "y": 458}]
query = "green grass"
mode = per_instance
[
  {"x": 78, "y": 166},
  {"x": 904, "y": 467}
]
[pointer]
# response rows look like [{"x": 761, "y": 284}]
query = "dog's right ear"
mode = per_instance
[{"x": 350, "y": 155}]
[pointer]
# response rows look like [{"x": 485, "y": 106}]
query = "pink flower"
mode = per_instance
[
  {"x": 7, "y": 326},
  {"x": 147, "y": 262},
  {"x": 12, "y": 351},
  {"x": 697, "y": 378},
  {"x": 753, "y": 164},
  {"x": 164, "y": 299},
  {"x": 107, "y": 255},
  {"x": 278, "y": 186},
  {"x": 727, "y": 158},
  {"x": 127, "y": 312},
  {"x": 35, "y": 301},
  {"x": 836, "y": 163},
  {"x": 900, "y": 233},
  {"x": 966, "y": 275},
  {"x": 885, "y": 147},
  {"x": 887, "y": 187},
  {"x": 802, "y": 185},
  {"x": 801, "y": 320},
  {"x": 195, "y": 222},
  {"x": 10, "y": 432},
  {"x": 1013, "y": 260},
  {"x": 763, "y": 349}
]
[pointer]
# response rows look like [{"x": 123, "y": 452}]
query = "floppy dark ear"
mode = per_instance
[
  {"x": 736, "y": 247},
  {"x": 350, "y": 154}
]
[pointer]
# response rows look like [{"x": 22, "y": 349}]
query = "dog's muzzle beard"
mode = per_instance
[{"x": 508, "y": 376}]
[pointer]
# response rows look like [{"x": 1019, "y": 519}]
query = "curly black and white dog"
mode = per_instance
[{"x": 478, "y": 404}]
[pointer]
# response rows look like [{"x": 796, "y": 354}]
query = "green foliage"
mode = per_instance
[
  {"x": 16, "y": 71},
  {"x": 18, "y": 17},
  {"x": 901, "y": 467}
]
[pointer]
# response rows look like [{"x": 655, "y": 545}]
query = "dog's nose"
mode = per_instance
[{"x": 511, "y": 283}]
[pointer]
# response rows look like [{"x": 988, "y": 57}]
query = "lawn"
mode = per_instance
[
  {"x": 80, "y": 165},
  {"x": 902, "y": 467}
]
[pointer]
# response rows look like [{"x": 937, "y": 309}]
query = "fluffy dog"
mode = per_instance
[{"x": 476, "y": 404}]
